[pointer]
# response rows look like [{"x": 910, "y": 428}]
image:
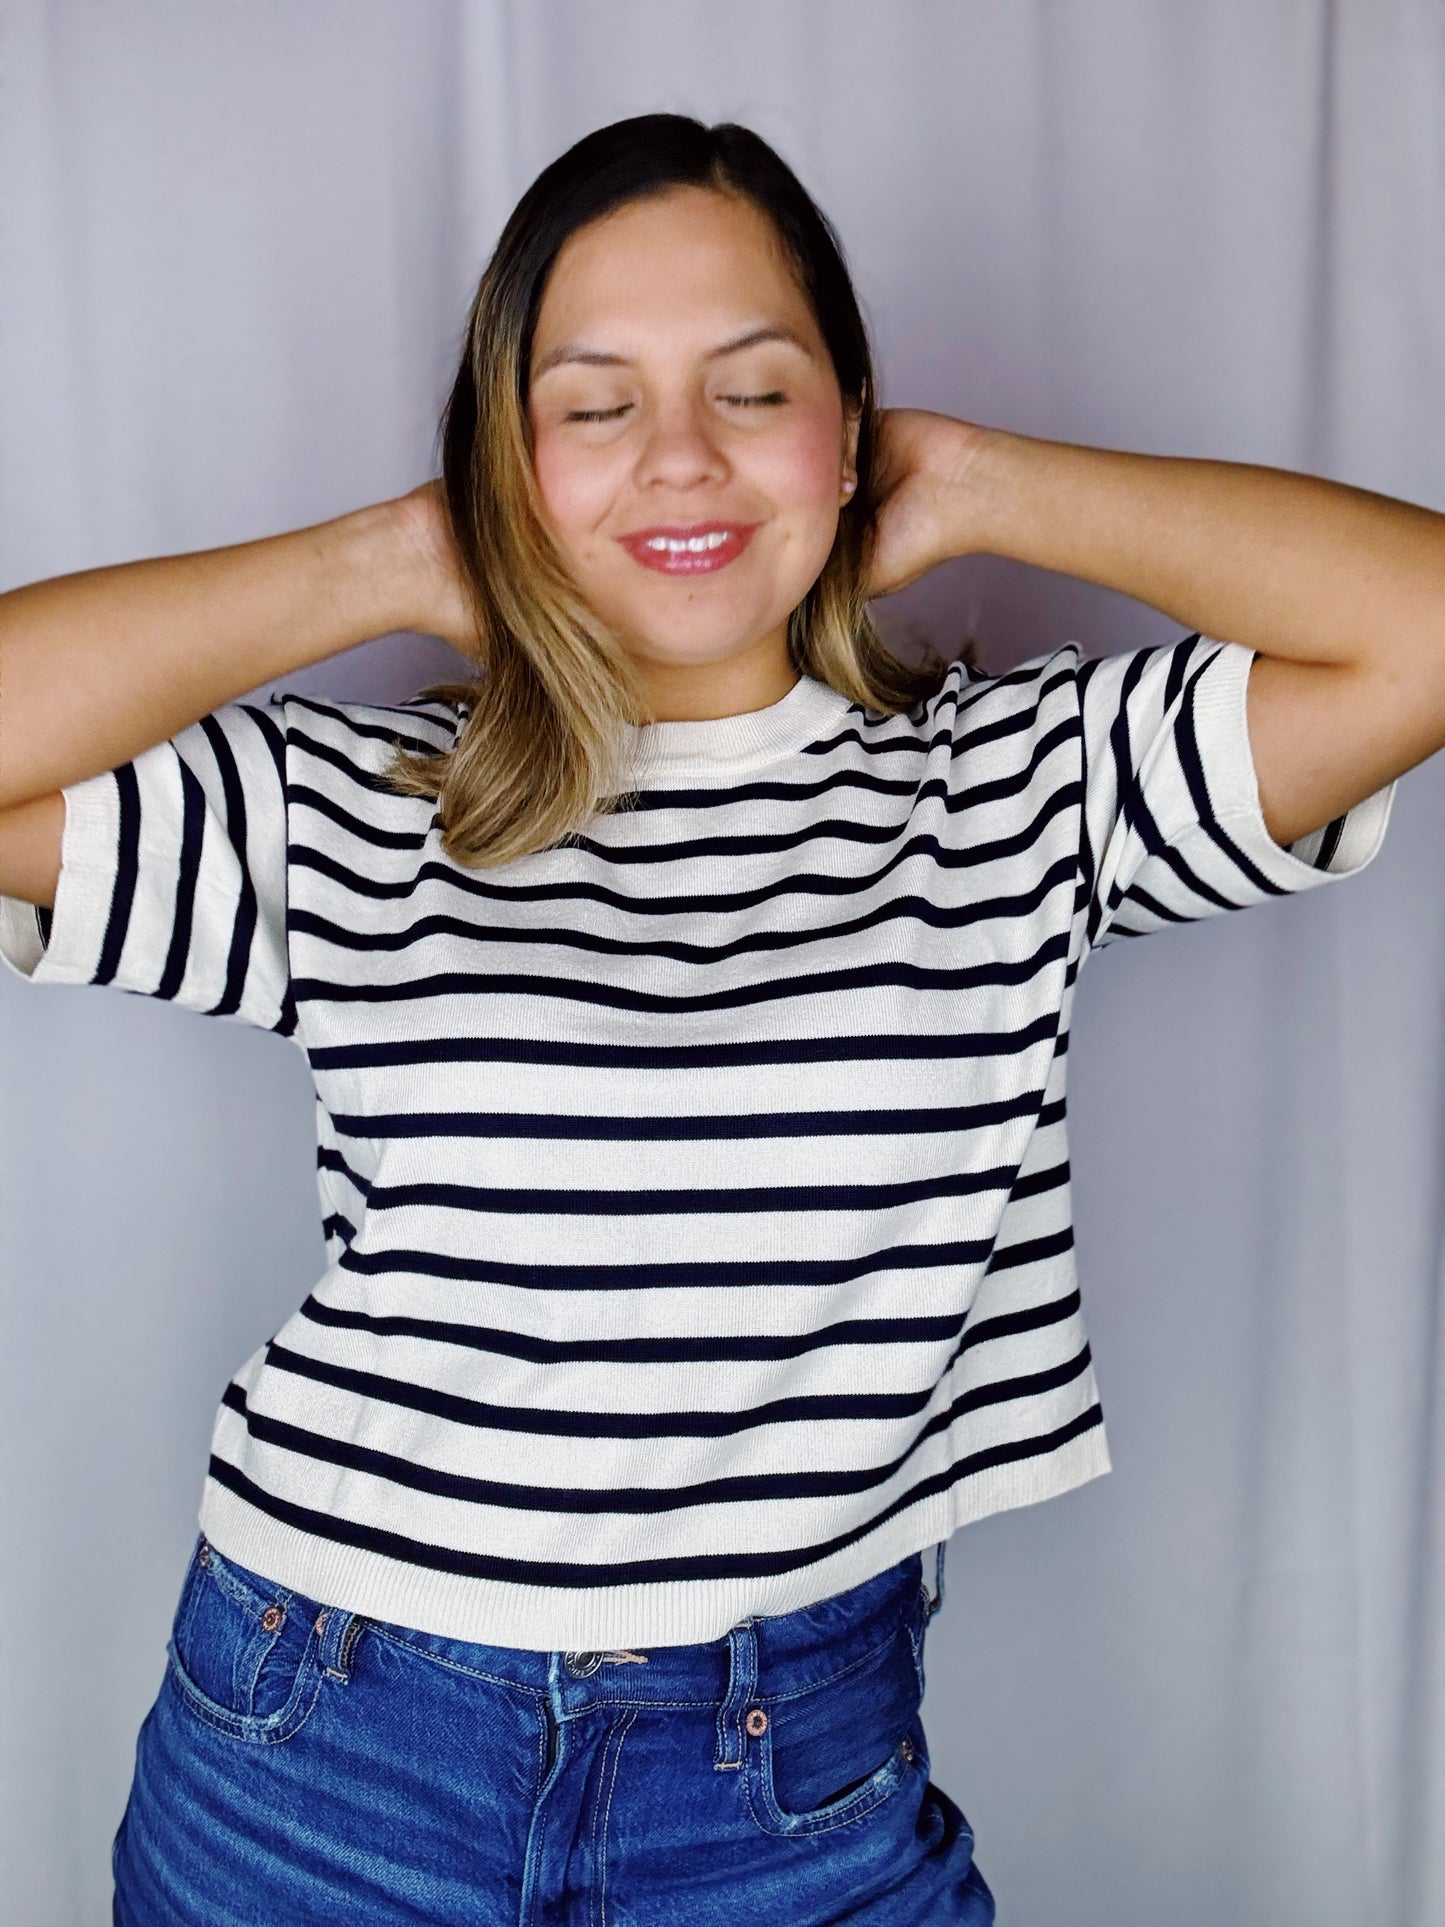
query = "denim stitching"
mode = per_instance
[
  {"x": 916, "y": 1641},
  {"x": 879, "y": 1787},
  {"x": 273, "y": 1729},
  {"x": 518, "y": 1686},
  {"x": 597, "y": 1805},
  {"x": 801, "y": 1692},
  {"x": 455, "y": 1665},
  {"x": 240, "y": 1590},
  {"x": 619, "y": 1734},
  {"x": 346, "y": 1653},
  {"x": 679, "y": 1705}
]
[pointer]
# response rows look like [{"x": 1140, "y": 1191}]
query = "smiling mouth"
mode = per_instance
[{"x": 698, "y": 549}]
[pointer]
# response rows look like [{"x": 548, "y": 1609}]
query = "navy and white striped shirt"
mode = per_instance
[{"x": 696, "y": 1193}]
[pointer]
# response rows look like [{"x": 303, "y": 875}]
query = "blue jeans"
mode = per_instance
[{"x": 305, "y": 1764}]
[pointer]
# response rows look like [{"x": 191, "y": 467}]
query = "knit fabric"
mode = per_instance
[{"x": 695, "y": 1193}]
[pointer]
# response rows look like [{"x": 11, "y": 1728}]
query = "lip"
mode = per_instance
[{"x": 725, "y": 542}]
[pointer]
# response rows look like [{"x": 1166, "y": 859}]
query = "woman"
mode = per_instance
[{"x": 687, "y": 998}]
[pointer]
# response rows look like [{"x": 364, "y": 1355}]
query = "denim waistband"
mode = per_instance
[{"x": 777, "y": 1655}]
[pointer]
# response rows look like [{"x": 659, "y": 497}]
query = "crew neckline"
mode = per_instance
[{"x": 654, "y": 751}]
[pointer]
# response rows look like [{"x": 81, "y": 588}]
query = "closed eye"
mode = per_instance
[{"x": 772, "y": 399}]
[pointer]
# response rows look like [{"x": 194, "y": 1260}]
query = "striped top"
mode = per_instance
[{"x": 696, "y": 1192}]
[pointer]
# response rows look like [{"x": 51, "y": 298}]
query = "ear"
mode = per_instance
[{"x": 852, "y": 421}]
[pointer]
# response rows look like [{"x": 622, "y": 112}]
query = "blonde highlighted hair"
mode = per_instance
[{"x": 538, "y": 752}]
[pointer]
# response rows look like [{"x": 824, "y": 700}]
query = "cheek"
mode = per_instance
[
  {"x": 575, "y": 485},
  {"x": 803, "y": 468}
]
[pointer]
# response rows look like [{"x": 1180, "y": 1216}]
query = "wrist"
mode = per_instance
[
  {"x": 991, "y": 490},
  {"x": 376, "y": 568}
]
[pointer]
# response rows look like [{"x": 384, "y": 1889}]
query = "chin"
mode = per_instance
[
  {"x": 690, "y": 652},
  {"x": 687, "y": 644}
]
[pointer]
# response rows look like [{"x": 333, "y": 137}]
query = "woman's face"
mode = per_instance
[{"x": 690, "y": 443}]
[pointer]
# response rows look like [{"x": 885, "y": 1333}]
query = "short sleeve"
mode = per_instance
[
  {"x": 1173, "y": 825},
  {"x": 173, "y": 876}
]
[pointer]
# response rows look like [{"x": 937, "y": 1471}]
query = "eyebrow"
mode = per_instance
[{"x": 575, "y": 351}]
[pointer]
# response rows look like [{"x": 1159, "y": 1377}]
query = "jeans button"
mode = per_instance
[
  {"x": 579, "y": 1665},
  {"x": 271, "y": 1618},
  {"x": 756, "y": 1722}
]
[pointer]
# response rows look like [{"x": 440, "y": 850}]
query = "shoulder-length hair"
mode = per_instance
[{"x": 538, "y": 752}]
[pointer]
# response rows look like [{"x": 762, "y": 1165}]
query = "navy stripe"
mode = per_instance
[
  {"x": 1036, "y": 1183},
  {"x": 1142, "y": 899},
  {"x": 675, "y": 1274},
  {"x": 493, "y": 983},
  {"x": 725, "y": 1127},
  {"x": 837, "y": 830},
  {"x": 1191, "y": 762},
  {"x": 1010, "y": 1324},
  {"x": 705, "y": 1349},
  {"x": 544, "y": 1422},
  {"x": 193, "y": 830},
  {"x": 1330, "y": 843},
  {"x": 303, "y": 796},
  {"x": 910, "y": 909},
  {"x": 904, "y": 909},
  {"x": 699, "y": 1201},
  {"x": 697, "y": 1566},
  {"x": 1028, "y": 1251},
  {"x": 127, "y": 874},
  {"x": 684, "y": 849},
  {"x": 876, "y": 1048},
  {"x": 1180, "y": 657},
  {"x": 243, "y": 929},
  {"x": 712, "y": 1348},
  {"x": 353, "y": 726},
  {"x": 741, "y": 1488},
  {"x": 328, "y": 1158}
]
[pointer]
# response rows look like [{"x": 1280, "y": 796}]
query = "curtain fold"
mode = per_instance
[{"x": 236, "y": 247}]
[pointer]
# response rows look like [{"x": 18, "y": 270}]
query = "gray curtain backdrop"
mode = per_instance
[{"x": 235, "y": 249}]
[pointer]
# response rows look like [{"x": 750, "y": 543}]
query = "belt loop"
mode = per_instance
[
  {"x": 742, "y": 1684},
  {"x": 336, "y": 1630},
  {"x": 936, "y": 1597}
]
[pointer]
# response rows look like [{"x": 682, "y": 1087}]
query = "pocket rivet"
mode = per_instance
[
  {"x": 204, "y": 1555},
  {"x": 905, "y": 1747},
  {"x": 756, "y": 1722},
  {"x": 271, "y": 1618},
  {"x": 321, "y": 1619}
]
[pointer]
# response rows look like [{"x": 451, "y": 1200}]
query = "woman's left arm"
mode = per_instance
[{"x": 1341, "y": 592}]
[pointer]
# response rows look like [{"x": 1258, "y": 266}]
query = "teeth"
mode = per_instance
[{"x": 688, "y": 545}]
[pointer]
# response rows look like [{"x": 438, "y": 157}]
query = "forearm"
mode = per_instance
[
  {"x": 98, "y": 666},
  {"x": 1290, "y": 565}
]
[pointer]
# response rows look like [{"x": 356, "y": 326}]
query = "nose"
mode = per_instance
[{"x": 680, "y": 451}]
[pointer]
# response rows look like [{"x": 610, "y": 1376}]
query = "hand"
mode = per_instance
[
  {"x": 422, "y": 528},
  {"x": 924, "y": 515}
]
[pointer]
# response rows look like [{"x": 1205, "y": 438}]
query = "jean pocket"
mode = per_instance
[
  {"x": 243, "y": 1650},
  {"x": 833, "y": 1754}
]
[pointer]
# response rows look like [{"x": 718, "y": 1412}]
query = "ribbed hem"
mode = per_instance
[
  {"x": 545, "y": 1619},
  {"x": 721, "y": 746},
  {"x": 1221, "y": 717},
  {"x": 82, "y": 896}
]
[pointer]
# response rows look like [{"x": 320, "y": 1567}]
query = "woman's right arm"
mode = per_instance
[{"x": 99, "y": 666}]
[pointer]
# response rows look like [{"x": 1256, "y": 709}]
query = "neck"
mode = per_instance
[{"x": 696, "y": 692}]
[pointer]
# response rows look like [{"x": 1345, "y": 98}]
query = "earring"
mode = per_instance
[{"x": 849, "y": 485}]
